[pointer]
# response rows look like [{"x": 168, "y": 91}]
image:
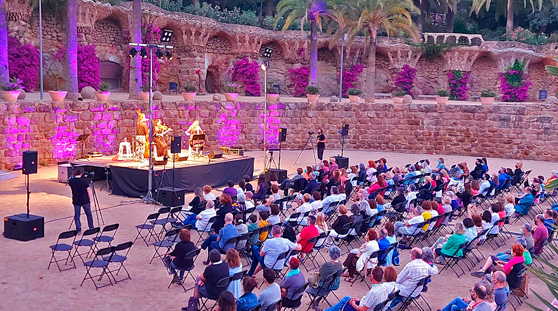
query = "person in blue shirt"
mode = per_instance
[
  {"x": 441, "y": 166},
  {"x": 525, "y": 202},
  {"x": 312, "y": 184},
  {"x": 550, "y": 217},
  {"x": 503, "y": 178},
  {"x": 219, "y": 242},
  {"x": 249, "y": 300}
]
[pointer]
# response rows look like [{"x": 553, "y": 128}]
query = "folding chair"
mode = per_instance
[
  {"x": 271, "y": 307},
  {"x": 188, "y": 271},
  {"x": 366, "y": 270},
  {"x": 63, "y": 247},
  {"x": 222, "y": 283},
  {"x": 278, "y": 271},
  {"x": 99, "y": 262},
  {"x": 205, "y": 232},
  {"x": 120, "y": 259},
  {"x": 407, "y": 301},
  {"x": 175, "y": 215},
  {"x": 241, "y": 246},
  {"x": 106, "y": 236},
  {"x": 345, "y": 238},
  {"x": 453, "y": 260},
  {"x": 168, "y": 242},
  {"x": 84, "y": 242},
  {"x": 149, "y": 227},
  {"x": 323, "y": 290},
  {"x": 298, "y": 302},
  {"x": 382, "y": 305},
  {"x": 162, "y": 220}
]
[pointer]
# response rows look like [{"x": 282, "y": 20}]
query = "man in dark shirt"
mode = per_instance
[
  {"x": 321, "y": 144},
  {"x": 312, "y": 184},
  {"x": 207, "y": 282},
  {"x": 81, "y": 194}
]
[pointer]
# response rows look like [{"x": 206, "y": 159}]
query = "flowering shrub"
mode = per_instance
[
  {"x": 514, "y": 84},
  {"x": 248, "y": 73},
  {"x": 458, "y": 87},
  {"x": 24, "y": 63},
  {"x": 234, "y": 16},
  {"x": 405, "y": 78},
  {"x": 299, "y": 77},
  {"x": 350, "y": 77},
  {"x": 150, "y": 33},
  {"x": 89, "y": 67}
]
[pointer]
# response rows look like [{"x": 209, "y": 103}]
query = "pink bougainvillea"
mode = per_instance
[
  {"x": 514, "y": 83},
  {"x": 89, "y": 66},
  {"x": 24, "y": 62},
  {"x": 405, "y": 79},
  {"x": 350, "y": 77},
  {"x": 458, "y": 84},
  {"x": 248, "y": 73},
  {"x": 299, "y": 77}
]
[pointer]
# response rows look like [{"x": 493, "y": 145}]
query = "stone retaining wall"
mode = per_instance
[{"x": 526, "y": 131}]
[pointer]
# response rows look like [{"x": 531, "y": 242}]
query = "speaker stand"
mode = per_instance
[{"x": 28, "y": 192}]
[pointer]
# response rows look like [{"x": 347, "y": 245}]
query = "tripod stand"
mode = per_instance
[
  {"x": 309, "y": 140},
  {"x": 94, "y": 201},
  {"x": 271, "y": 160}
]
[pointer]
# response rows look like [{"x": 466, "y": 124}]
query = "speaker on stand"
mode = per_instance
[
  {"x": 343, "y": 162},
  {"x": 282, "y": 138}
]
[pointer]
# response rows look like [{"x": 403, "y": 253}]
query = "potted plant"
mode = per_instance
[
  {"x": 189, "y": 92},
  {"x": 397, "y": 96},
  {"x": 487, "y": 97},
  {"x": 354, "y": 95},
  {"x": 57, "y": 95},
  {"x": 145, "y": 92},
  {"x": 312, "y": 93},
  {"x": 231, "y": 92},
  {"x": 271, "y": 93},
  {"x": 10, "y": 91},
  {"x": 103, "y": 93},
  {"x": 443, "y": 97}
]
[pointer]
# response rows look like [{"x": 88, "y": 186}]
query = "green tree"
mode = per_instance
[
  {"x": 313, "y": 11},
  {"x": 370, "y": 17},
  {"x": 503, "y": 7},
  {"x": 449, "y": 7}
]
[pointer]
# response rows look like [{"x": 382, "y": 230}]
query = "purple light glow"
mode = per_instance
[
  {"x": 230, "y": 130},
  {"x": 273, "y": 123},
  {"x": 65, "y": 136}
]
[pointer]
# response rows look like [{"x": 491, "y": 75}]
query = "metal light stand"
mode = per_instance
[
  {"x": 41, "y": 45},
  {"x": 343, "y": 38},
  {"x": 265, "y": 65}
]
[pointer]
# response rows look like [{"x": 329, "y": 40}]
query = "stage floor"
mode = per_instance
[{"x": 130, "y": 178}]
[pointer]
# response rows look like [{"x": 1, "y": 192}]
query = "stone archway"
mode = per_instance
[
  {"x": 111, "y": 72},
  {"x": 212, "y": 83}
]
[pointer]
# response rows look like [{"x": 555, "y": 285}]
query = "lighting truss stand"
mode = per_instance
[{"x": 309, "y": 140}]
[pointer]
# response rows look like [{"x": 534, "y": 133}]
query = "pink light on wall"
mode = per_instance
[
  {"x": 273, "y": 123},
  {"x": 64, "y": 140},
  {"x": 230, "y": 127}
]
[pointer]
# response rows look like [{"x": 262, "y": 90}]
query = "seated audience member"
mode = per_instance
[
  {"x": 399, "y": 199},
  {"x": 206, "y": 283},
  {"x": 317, "y": 201},
  {"x": 412, "y": 195},
  {"x": 506, "y": 255},
  {"x": 330, "y": 267},
  {"x": 355, "y": 218},
  {"x": 195, "y": 206},
  {"x": 242, "y": 229},
  {"x": 377, "y": 294},
  {"x": 511, "y": 268},
  {"x": 248, "y": 202},
  {"x": 467, "y": 194},
  {"x": 264, "y": 206},
  {"x": 253, "y": 225},
  {"x": 540, "y": 235},
  {"x": 503, "y": 178},
  {"x": 361, "y": 179},
  {"x": 312, "y": 184},
  {"x": 550, "y": 218},
  {"x": 449, "y": 245},
  {"x": 392, "y": 257},
  {"x": 411, "y": 275},
  {"x": 470, "y": 230},
  {"x": 337, "y": 226},
  {"x": 309, "y": 232},
  {"x": 272, "y": 293},
  {"x": 235, "y": 266},
  {"x": 226, "y": 207},
  {"x": 322, "y": 227},
  {"x": 230, "y": 190},
  {"x": 248, "y": 300},
  {"x": 263, "y": 223},
  {"x": 500, "y": 293},
  {"x": 293, "y": 281},
  {"x": 526, "y": 199},
  {"x": 226, "y": 302},
  {"x": 410, "y": 227},
  {"x": 249, "y": 186},
  {"x": 478, "y": 170},
  {"x": 266, "y": 256},
  {"x": 478, "y": 302},
  {"x": 330, "y": 202},
  {"x": 275, "y": 196},
  {"x": 274, "y": 219},
  {"x": 201, "y": 221},
  {"x": 207, "y": 194},
  {"x": 179, "y": 252},
  {"x": 289, "y": 183},
  {"x": 261, "y": 190},
  {"x": 219, "y": 242},
  {"x": 358, "y": 259}
]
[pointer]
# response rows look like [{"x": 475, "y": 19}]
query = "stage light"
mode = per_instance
[
  {"x": 133, "y": 52},
  {"x": 159, "y": 54},
  {"x": 166, "y": 35},
  {"x": 168, "y": 55},
  {"x": 143, "y": 53},
  {"x": 267, "y": 52},
  {"x": 264, "y": 67}
]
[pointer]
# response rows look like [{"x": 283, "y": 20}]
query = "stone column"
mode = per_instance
[
  {"x": 4, "y": 71},
  {"x": 135, "y": 62}
]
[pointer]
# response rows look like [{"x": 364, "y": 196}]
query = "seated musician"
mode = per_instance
[
  {"x": 159, "y": 140},
  {"x": 197, "y": 139}
]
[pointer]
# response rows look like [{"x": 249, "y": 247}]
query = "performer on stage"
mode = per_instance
[
  {"x": 321, "y": 144},
  {"x": 142, "y": 132},
  {"x": 195, "y": 144},
  {"x": 159, "y": 140}
]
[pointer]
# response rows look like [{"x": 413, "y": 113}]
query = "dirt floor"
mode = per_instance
[{"x": 26, "y": 284}]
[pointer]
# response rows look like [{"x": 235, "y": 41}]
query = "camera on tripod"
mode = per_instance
[
  {"x": 310, "y": 133},
  {"x": 89, "y": 176}
]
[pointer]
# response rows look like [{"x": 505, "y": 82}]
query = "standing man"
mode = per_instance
[
  {"x": 321, "y": 144},
  {"x": 81, "y": 194}
]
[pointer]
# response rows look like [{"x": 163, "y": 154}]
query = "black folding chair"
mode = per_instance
[
  {"x": 187, "y": 271},
  {"x": 119, "y": 256},
  {"x": 107, "y": 235},
  {"x": 271, "y": 307},
  {"x": 204, "y": 300},
  {"x": 63, "y": 247},
  {"x": 85, "y": 242},
  {"x": 366, "y": 271},
  {"x": 454, "y": 260},
  {"x": 321, "y": 292},
  {"x": 407, "y": 301},
  {"x": 278, "y": 271},
  {"x": 163, "y": 219},
  {"x": 149, "y": 227},
  {"x": 167, "y": 243},
  {"x": 298, "y": 301},
  {"x": 99, "y": 262},
  {"x": 382, "y": 305},
  {"x": 204, "y": 233}
]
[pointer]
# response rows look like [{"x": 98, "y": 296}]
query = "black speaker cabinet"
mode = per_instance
[
  {"x": 342, "y": 162},
  {"x": 171, "y": 197},
  {"x": 283, "y": 134},
  {"x": 21, "y": 228},
  {"x": 30, "y": 159},
  {"x": 281, "y": 174},
  {"x": 176, "y": 144},
  {"x": 345, "y": 129}
]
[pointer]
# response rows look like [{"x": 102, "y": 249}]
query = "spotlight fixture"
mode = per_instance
[
  {"x": 168, "y": 55},
  {"x": 267, "y": 52},
  {"x": 143, "y": 53},
  {"x": 159, "y": 54},
  {"x": 166, "y": 35},
  {"x": 133, "y": 52}
]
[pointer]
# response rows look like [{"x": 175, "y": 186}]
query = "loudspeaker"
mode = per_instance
[
  {"x": 21, "y": 228},
  {"x": 282, "y": 134},
  {"x": 30, "y": 162},
  {"x": 176, "y": 144},
  {"x": 281, "y": 174},
  {"x": 342, "y": 162},
  {"x": 345, "y": 129},
  {"x": 171, "y": 197}
]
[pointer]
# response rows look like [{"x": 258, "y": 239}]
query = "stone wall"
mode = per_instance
[{"x": 526, "y": 131}]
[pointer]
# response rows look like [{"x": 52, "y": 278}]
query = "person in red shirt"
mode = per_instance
[
  {"x": 540, "y": 235},
  {"x": 310, "y": 231}
]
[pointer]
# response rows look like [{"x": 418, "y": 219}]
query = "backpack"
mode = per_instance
[{"x": 192, "y": 304}]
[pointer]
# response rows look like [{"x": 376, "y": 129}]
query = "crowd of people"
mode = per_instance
[{"x": 277, "y": 228}]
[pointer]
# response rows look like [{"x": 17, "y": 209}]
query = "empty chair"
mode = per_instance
[
  {"x": 107, "y": 235},
  {"x": 101, "y": 261},
  {"x": 119, "y": 256},
  {"x": 63, "y": 247},
  {"x": 86, "y": 242},
  {"x": 149, "y": 227}
]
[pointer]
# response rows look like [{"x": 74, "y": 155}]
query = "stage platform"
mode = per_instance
[{"x": 129, "y": 178}]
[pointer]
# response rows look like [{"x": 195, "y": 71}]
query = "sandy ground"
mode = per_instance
[{"x": 27, "y": 284}]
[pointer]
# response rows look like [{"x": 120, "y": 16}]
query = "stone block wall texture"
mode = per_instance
[{"x": 522, "y": 131}]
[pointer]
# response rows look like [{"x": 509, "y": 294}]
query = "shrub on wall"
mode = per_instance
[
  {"x": 458, "y": 84},
  {"x": 24, "y": 62},
  {"x": 514, "y": 83},
  {"x": 248, "y": 73},
  {"x": 299, "y": 78},
  {"x": 89, "y": 67},
  {"x": 350, "y": 77},
  {"x": 405, "y": 78}
]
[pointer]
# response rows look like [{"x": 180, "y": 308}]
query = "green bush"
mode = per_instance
[
  {"x": 189, "y": 88},
  {"x": 234, "y": 16},
  {"x": 354, "y": 92},
  {"x": 487, "y": 93},
  {"x": 312, "y": 90},
  {"x": 104, "y": 86},
  {"x": 398, "y": 93},
  {"x": 169, "y": 5},
  {"x": 443, "y": 93}
]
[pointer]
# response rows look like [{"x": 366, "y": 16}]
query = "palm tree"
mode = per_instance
[
  {"x": 135, "y": 62},
  {"x": 71, "y": 49},
  {"x": 312, "y": 11},
  {"x": 369, "y": 17},
  {"x": 477, "y": 5},
  {"x": 4, "y": 71},
  {"x": 449, "y": 7}
]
